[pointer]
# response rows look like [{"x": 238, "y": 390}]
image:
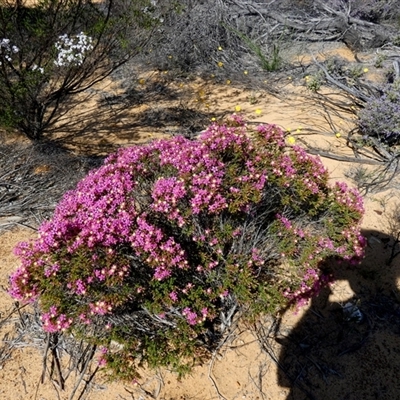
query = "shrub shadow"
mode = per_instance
[
  {"x": 135, "y": 114},
  {"x": 346, "y": 344}
]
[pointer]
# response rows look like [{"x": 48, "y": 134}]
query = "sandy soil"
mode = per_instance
[{"x": 317, "y": 353}]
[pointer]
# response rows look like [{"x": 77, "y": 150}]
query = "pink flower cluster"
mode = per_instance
[
  {"x": 166, "y": 195},
  {"x": 192, "y": 317},
  {"x": 163, "y": 255},
  {"x": 310, "y": 286},
  {"x": 54, "y": 322},
  {"x": 307, "y": 250},
  {"x": 22, "y": 287},
  {"x": 348, "y": 197},
  {"x": 100, "y": 308}
]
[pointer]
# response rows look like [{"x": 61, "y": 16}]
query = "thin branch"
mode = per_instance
[
  {"x": 211, "y": 378},
  {"x": 84, "y": 369}
]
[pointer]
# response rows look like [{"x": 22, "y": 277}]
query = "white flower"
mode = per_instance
[
  {"x": 5, "y": 43},
  {"x": 72, "y": 51},
  {"x": 40, "y": 69}
]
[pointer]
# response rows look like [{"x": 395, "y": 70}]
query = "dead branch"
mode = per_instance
[
  {"x": 320, "y": 22},
  {"x": 212, "y": 379},
  {"x": 357, "y": 94}
]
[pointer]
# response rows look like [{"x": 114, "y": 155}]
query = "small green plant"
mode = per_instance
[
  {"x": 314, "y": 82},
  {"x": 380, "y": 59},
  {"x": 356, "y": 71},
  {"x": 396, "y": 40},
  {"x": 252, "y": 98},
  {"x": 361, "y": 176},
  {"x": 335, "y": 66},
  {"x": 270, "y": 62}
]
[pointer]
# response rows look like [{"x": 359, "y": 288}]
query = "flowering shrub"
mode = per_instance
[
  {"x": 157, "y": 249},
  {"x": 381, "y": 116},
  {"x": 53, "y": 50}
]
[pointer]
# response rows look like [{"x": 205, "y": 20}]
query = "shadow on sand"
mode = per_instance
[{"x": 347, "y": 344}]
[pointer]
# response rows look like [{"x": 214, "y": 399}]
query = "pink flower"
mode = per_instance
[
  {"x": 173, "y": 296},
  {"x": 191, "y": 317}
]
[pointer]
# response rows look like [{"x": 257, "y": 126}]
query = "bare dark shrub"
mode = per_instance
[
  {"x": 217, "y": 36},
  {"x": 375, "y": 11}
]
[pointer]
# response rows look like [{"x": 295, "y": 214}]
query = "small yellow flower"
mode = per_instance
[
  {"x": 142, "y": 81},
  {"x": 365, "y": 70},
  {"x": 245, "y": 72},
  {"x": 338, "y": 135},
  {"x": 238, "y": 108},
  {"x": 219, "y": 48},
  {"x": 181, "y": 85},
  {"x": 228, "y": 81},
  {"x": 169, "y": 57},
  {"x": 298, "y": 130},
  {"x": 220, "y": 64},
  {"x": 258, "y": 111},
  {"x": 165, "y": 72},
  {"x": 212, "y": 76},
  {"x": 213, "y": 119},
  {"x": 290, "y": 78},
  {"x": 291, "y": 140},
  {"x": 307, "y": 78},
  {"x": 288, "y": 129}
]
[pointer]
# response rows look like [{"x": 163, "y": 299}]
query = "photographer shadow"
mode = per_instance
[{"x": 346, "y": 345}]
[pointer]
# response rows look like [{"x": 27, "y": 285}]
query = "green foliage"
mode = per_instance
[
  {"x": 356, "y": 71},
  {"x": 314, "y": 82},
  {"x": 379, "y": 61},
  {"x": 396, "y": 39},
  {"x": 270, "y": 62}
]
